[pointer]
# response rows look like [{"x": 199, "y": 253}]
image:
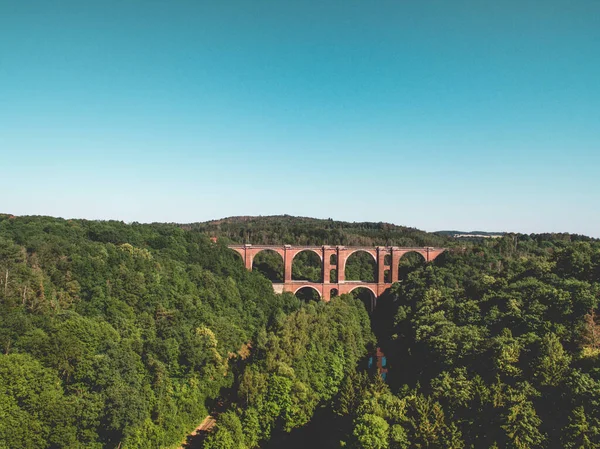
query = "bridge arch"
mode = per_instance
[
  {"x": 415, "y": 253},
  {"x": 270, "y": 263},
  {"x": 318, "y": 252},
  {"x": 409, "y": 261},
  {"x": 365, "y": 286},
  {"x": 256, "y": 251},
  {"x": 360, "y": 265},
  {"x": 306, "y": 266},
  {"x": 371, "y": 252},
  {"x": 238, "y": 254},
  {"x": 315, "y": 294},
  {"x": 370, "y": 300}
]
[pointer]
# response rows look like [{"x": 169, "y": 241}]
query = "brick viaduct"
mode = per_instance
[{"x": 387, "y": 258}]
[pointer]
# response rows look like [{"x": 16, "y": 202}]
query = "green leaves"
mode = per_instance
[
  {"x": 34, "y": 413},
  {"x": 553, "y": 364},
  {"x": 521, "y": 424},
  {"x": 300, "y": 364},
  {"x": 582, "y": 431},
  {"x": 474, "y": 333},
  {"x": 140, "y": 324},
  {"x": 115, "y": 334},
  {"x": 371, "y": 432},
  {"x": 229, "y": 433}
]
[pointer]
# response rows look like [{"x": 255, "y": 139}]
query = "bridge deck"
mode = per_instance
[{"x": 314, "y": 247}]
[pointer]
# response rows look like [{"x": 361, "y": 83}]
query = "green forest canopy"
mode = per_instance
[{"x": 124, "y": 335}]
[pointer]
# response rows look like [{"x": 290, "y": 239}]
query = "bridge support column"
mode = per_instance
[
  {"x": 342, "y": 254},
  {"x": 381, "y": 265},
  {"x": 326, "y": 265},
  {"x": 248, "y": 257},
  {"x": 396, "y": 255},
  {"x": 287, "y": 264}
]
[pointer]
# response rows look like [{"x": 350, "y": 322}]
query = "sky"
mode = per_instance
[{"x": 437, "y": 114}]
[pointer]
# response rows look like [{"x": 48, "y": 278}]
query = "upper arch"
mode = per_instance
[
  {"x": 272, "y": 267},
  {"x": 365, "y": 276},
  {"x": 307, "y": 267},
  {"x": 421, "y": 253},
  {"x": 318, "y": 253},
  {"x": 359, "y": 250},
  {"x": 262, "y": 250}
]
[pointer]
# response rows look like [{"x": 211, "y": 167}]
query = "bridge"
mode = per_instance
[{"x": 387, "y": 261}]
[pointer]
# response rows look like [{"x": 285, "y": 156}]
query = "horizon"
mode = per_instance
[
  {"x": 460, "y": 231},
  {"x": 439, "y": 116}
]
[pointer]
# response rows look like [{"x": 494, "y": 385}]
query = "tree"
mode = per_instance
[
  {"x": 553, "y": 363},
  {"x": 521, "y": 424},
  {"x": 34, "y": 411},
  {"x": 591, "y": 334},
  {"x": 399, "y": 437},
  {"x": 580, "y": 433},
  {"x": 427, "y": 421},
  {"x": 371, "y": 432}
]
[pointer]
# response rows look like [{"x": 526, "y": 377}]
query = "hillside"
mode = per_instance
[
  {"x": 126, "y": 336},
  {"x": 285, "y": 229}
]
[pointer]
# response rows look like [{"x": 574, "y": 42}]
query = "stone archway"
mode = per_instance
[
  {"x": 410, "y": 261},
  {"x": 360, "y": 265},
  {"x": 237, "y": 255},
  {"x": 367, "y": 295},
  {"x": 308, "y": 293},
  {"x": 270, "y": 264},
  {"x": 307, "y": 265}
]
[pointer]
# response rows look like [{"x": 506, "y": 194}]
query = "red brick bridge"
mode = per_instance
[{"x": 387, "y": 260}]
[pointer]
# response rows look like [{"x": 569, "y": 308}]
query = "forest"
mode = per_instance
[{"x": 117, "y": 335}]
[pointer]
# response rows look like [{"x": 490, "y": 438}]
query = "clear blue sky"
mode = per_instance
[{"x": 436, "y": 114}]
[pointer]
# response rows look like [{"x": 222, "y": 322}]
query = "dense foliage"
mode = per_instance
[
  {"x": 299, "y": 365},
  {"x": 495, "y": 345},
  {"x": 116, "y": 335},
  {"x": 311, "y": 231}
]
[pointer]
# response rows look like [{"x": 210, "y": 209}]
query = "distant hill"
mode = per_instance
[{"x": 286, "y": 229}]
